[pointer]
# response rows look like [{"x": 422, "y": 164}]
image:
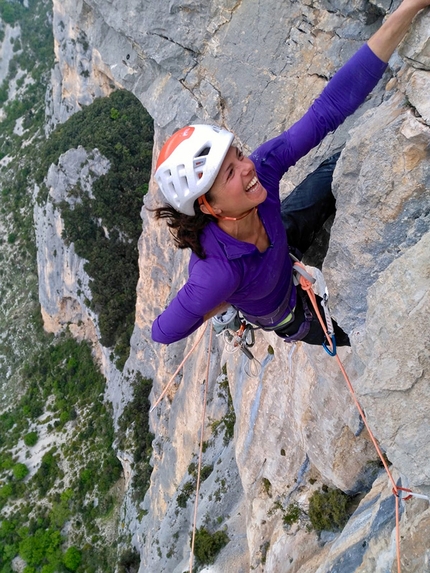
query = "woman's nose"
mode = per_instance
[{"x": 246, "y": 165}]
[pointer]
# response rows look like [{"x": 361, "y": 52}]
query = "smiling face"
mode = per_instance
[{"x": 236, "y": 188}]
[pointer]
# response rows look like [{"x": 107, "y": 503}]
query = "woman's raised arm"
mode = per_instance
[{"x": 390, "y": 34}]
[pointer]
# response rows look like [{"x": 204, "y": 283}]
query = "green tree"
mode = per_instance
[
  {"x": 72, "y": 558},
  {"x": 10, "y": 11},
  {"x": 47, "y": 473},
  {"x": 6, "y": 491},
  {"x": 61, "y": 509},
  {"x": 30, "y": 439},
  {"x": 208, "y": 545},
  {"x": 328, "y": 509},
  {"x": 20, "y": 471},
  {"x": 41, "y": 548}
]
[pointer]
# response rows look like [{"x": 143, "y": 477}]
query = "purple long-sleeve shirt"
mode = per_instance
[{"x": 260, "y": 284}]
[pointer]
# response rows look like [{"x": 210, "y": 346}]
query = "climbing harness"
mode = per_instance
[
  {"x": 306, "y": 281},
  {"x": 238, "y": 334}
]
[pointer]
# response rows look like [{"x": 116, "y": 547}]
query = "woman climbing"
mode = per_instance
[{"x": 225, "y": 207}]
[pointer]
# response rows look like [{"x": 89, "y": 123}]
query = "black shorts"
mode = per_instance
[{"x": 315, "y": 334}]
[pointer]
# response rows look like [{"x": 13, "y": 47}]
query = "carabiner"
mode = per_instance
[
  {"x": 333, "y": 342},
  {"x": 249, "y": 336}
]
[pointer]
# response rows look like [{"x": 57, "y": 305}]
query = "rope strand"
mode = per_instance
[
  {"x": 199, "y": 468},
  {"x": 164, "y": 392},
  {"x": 307, "y": 286}
]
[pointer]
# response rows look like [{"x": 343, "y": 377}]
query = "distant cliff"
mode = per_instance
[{"x": 255, "y": 67}]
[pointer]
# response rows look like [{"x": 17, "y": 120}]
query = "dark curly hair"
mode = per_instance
[{"x": 185, "y": 229}]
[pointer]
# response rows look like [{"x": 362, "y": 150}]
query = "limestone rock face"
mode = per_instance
[
  {"x": 416, "y": 45},
  {"x": 79, "y": 74},
  {"x": 255, "y": 67},
  {"x": 63, "y": 282},
  {"x": 389, "y": 370}
]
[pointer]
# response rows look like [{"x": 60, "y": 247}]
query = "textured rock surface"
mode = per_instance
[
  {"x": 6, "y": 48},
  {"x": 404, "y": 376},
  {"x": 79, "y": 74},
  {"x": 255, "y": 67},
  {"x": 63, "y": 283}
]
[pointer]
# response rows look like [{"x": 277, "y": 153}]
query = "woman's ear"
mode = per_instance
[
  {"x": 212, "y": 211},
  {"x": 204, "y": 209},
  {"x": 207, "y": 209}
]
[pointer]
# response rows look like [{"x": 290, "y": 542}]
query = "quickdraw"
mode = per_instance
[
  {"x": 306, "y": 281},
  {"x": 238, "y": 334}
]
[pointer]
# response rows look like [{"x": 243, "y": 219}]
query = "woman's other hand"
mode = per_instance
[{"x": 390, "y": 34}]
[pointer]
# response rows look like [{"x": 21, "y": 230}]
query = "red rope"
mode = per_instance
[
  {"x": 199, "y": 469},
  {"x": 166, "y": 388},
  {"x": 307, "y": 286}
]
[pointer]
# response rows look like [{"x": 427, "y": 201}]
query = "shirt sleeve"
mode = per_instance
[
  {"x": 343, "y": 94},
  {"x": 210, "y": 283}
]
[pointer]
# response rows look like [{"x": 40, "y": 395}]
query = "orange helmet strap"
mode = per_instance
[{"x": 203, "y": 201}]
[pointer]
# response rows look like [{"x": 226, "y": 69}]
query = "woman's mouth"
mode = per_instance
[{"x": 252, "y": 184}]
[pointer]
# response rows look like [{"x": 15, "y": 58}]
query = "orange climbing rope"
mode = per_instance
[
  {"x": 199, "y": 338},
  {"x": 306, "y": 285},
  {"x": 164, "y": 392},
  {"x": 199, "y": 468}
]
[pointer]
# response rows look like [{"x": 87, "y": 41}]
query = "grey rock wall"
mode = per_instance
[
  {"x": 255, "y": 67},
  {"x": 63, "y": 282}
]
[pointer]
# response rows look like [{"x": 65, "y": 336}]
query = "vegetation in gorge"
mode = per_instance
[
  {"x": 60, "y": 480},
  {"x": 227, "y": 422},
  {"x": 22, "y": 110},
  {"x": 28, "y": 72},
  {"x": 77, "y": 478},
  {"x": 208, "y": 545},
  {"x": 328, "y": 509},
  {"x": 105, "y": 228}
]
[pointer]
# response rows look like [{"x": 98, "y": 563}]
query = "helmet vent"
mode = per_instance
[
  {"x": 172, "y": 192},
  {"x": 184, "y": 183},
  {"x": 199, "y": 165},
  {"x": 200, "y": 161}
]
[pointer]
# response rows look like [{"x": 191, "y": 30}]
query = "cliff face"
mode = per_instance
[
  {"x": 63, "y": 283},
  {"x": 255, "y": 67}
]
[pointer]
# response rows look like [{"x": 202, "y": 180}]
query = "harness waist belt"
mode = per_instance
[
  {"x": 284, "y": 322},
  {"x": 279, "y": 317}
]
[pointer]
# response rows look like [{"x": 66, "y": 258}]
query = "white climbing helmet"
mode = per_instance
[{"x": 189, "y": 162}]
